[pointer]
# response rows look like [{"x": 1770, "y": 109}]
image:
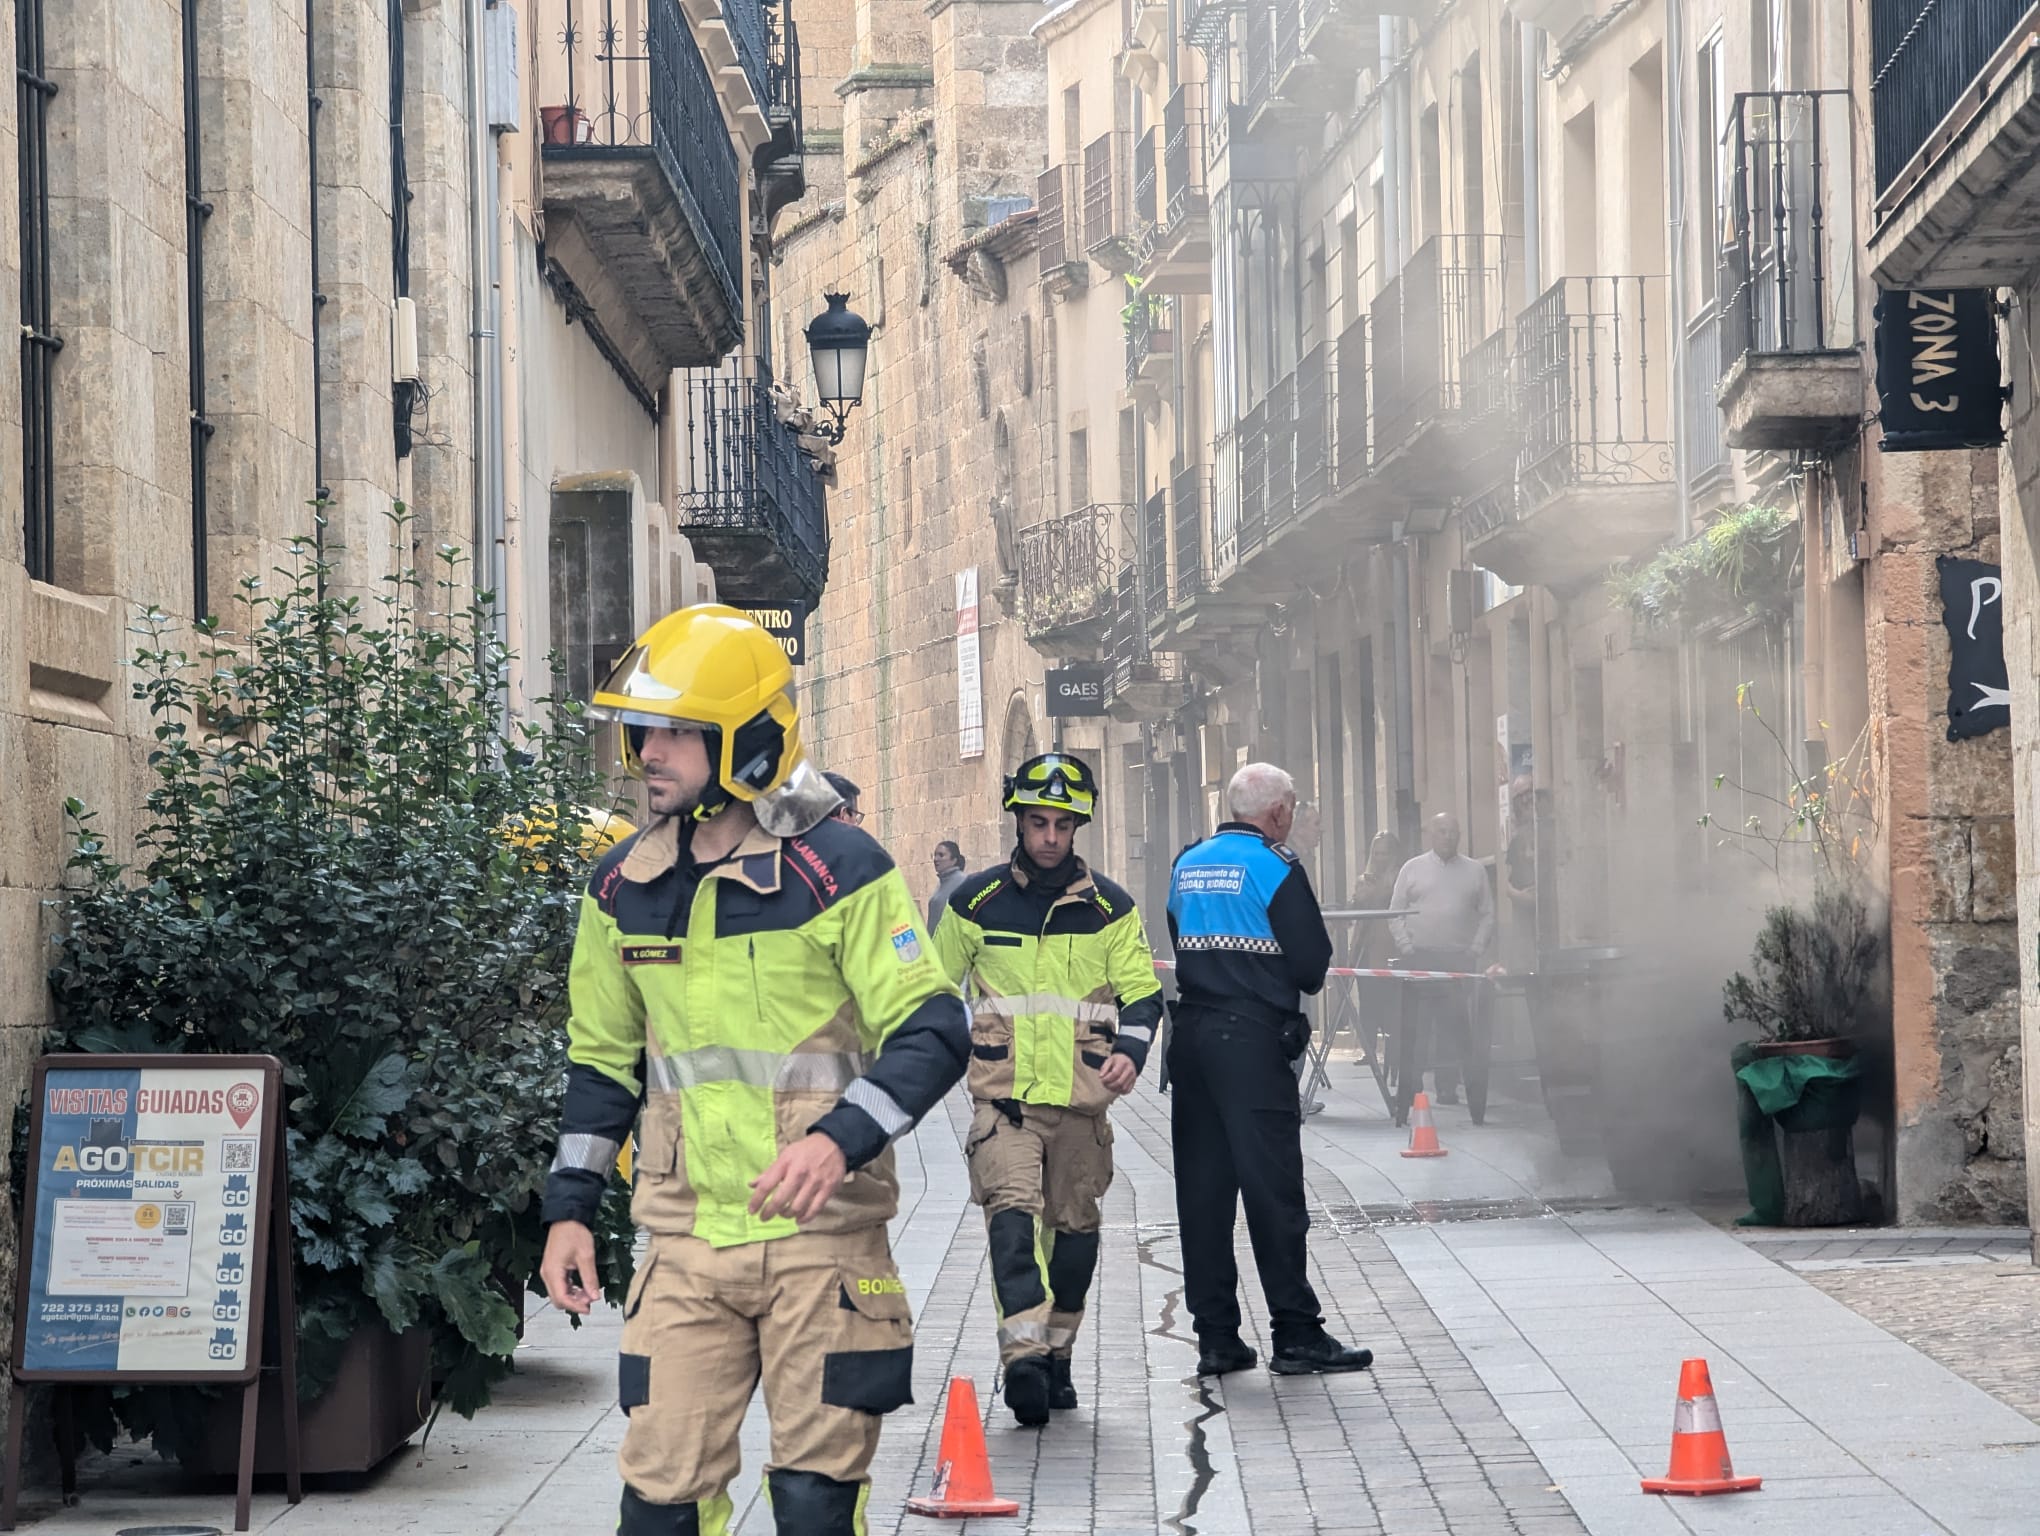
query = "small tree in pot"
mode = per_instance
[
  {"x": 1815, "y": 979},
  {"x": 345, "y": 861}
]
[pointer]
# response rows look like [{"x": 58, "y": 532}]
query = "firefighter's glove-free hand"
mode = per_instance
[
  {"x": 1118, "y": 1074},
  {"x": 801, "y": 1180},
  {"x": 568, "y": 1268}
]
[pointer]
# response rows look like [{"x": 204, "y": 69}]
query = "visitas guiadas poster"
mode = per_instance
[{"x": 142, "y": 1245}]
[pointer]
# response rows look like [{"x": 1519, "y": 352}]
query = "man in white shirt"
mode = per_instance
[{"x": 1450, "y": 928}]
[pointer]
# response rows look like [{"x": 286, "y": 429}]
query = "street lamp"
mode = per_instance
[{"x": 838, "y": 339}]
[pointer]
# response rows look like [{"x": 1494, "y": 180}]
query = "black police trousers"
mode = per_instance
[{"x": 1237, "y": 1134}]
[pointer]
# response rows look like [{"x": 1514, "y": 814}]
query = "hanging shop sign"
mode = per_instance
[
  {"x": 1973, "y": 608},
  {"x": 154, "y": 1232},
  {"x": 1076, "y": 691},
  {"x": 784, "y": 622},
  {"x": 1938, "y": 374}
]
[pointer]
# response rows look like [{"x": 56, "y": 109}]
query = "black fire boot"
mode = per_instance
[
  {"x": 1062, "y": 1392},
  {"x": 1318, "y": 1355},
  {"x": 1220, "y": 1354},
  {"x": 1027, "y": 1390}
]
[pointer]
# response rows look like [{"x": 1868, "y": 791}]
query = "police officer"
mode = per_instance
[
  {"x": 750, "y": 973},
  {"x": 1249, "y": 939},
  {"x": 1065, "y": 1008}
]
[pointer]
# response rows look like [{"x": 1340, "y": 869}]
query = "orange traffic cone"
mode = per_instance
[
  {"x": 1700, "y": 1461},
  {"x": 1423, "y": 1134},
  {"x": 963, "y": 1475}
]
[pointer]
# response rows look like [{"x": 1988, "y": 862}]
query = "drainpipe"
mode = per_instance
[
  {"x": 508, "y": 397},
  {"x": 1530, "y": 50},
  {"x": 483, "y": 544},
  {"x": 1400, "y": 662},
  {"x": 1392, "y": 151},
  {"x": 1675, "y": 205}
]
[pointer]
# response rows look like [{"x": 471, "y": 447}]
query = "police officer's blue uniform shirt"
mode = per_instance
[{"x": 1246, "y": 925}]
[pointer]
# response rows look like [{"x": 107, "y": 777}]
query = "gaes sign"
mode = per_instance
[{"x": 1076, "y": 691}]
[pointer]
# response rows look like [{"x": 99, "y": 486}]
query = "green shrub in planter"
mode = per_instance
[{"x": 344, "y": 862}]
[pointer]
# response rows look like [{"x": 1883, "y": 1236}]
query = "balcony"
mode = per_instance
[
  {"x": 1179, "y": 255},
  {"x": 1207, "y": 23},
  {"x": 1147, "y": 183},
  {"x": 1059, "y": 226},
  {"x": 781, "y": 162},
  {"x": 1190, "y": 506},
  {"x": 754, "y": 510},
  {"x": 1431, "y": 333},
  {"x": 1955, "y": 107},
  {"x": 1069, "y": 581},
  {"x": 1794, "y": 375},
  {"x": 1150, "y": 346},
  {"x": 1109, "y": 231},
  {"x": 643, "y": 213},
  {"x": 1593, "y": 403}
]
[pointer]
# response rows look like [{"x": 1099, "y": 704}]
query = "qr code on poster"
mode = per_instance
[{"x": 237, "y": 1154}]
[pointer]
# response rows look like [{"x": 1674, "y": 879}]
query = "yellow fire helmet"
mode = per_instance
[
  {"x": 1055, "y": 781},
  {"x": 711, "y": 668}
]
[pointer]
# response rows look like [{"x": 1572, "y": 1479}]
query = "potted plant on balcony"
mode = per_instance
[
  {"x": 565, "y": 124},
  {"x": 1743, "y": 565},
  {"x": 343, "y": 862},
  {"x": 1813, "y": 989}
]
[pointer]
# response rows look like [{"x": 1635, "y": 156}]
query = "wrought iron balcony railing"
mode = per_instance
[
  {"x": 1351, "y": 375},
  {"x": 1190, "y": 504},
  {"x": 1154, "y": 556},
  {"x": 1785, "y": 267},
  {"x": 1068, "y": 569},
  {"x": 749, "y": 30},
  {"x": 1183, "y": 160},
  {"x": 1146, "y": 179},
  {"x": 1105, "y": 201},
  {"x": 782, "y": 68},
  {"x": 1315, "y": 428},
  {"x": 1205, "y": 21},
  {"x": 1251, "y": 526},
  {"x": 1257, "y": 57},
  {"x": 1280, "y": 426},
  {"x": 1447, "y": 300},
  {"x": 1150, "y": 332},
  {"x": 1925, "y": 56},
  {"x": 1706, "y": 446},
  {"x": 751, "y": 486},
  {"x": 1052, "y": 219},
  {"x": 1594, "y": 381}
]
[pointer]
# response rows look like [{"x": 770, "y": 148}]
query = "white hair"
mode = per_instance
[{"x": 1258, "y": 789}]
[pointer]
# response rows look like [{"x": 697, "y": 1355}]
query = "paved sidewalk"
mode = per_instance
[{"x": 1529, "y": 1333}]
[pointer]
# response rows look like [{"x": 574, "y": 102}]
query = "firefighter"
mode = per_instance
[
  {"x": 751, "y": 976},
  {"x": 1065, "y": 1005}
]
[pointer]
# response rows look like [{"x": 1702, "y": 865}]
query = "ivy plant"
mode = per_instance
[
  {"x": 1744, "y": 564},
  {"x": 347, "y": 860}
]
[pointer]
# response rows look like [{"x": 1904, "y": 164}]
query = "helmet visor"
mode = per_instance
[{"x": 631, "y": 695}]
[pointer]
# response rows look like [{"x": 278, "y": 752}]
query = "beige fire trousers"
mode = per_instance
[
  {"x": 1039, "y": 1181},
  {"x": 821, "y": 1319}
]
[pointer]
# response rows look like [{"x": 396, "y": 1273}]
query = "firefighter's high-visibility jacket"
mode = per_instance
[
  {"x": 1059, "y": 984},
  {"x": 784, "y": 990}
]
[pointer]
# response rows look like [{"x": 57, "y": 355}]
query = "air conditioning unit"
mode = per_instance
[{"x": 1558, "y": 17}]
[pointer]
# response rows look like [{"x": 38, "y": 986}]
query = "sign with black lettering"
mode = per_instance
[
  {"x": 784, "y": 622},
  {"x": 1973, "y": 608},
  {"x": 154, "y": 1232},
  {"x": 1938, "y": 373},
  {"x": 1076, "y": 690}
]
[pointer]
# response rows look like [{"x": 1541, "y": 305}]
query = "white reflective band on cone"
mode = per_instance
[{"x": 1696, "y": 1416}]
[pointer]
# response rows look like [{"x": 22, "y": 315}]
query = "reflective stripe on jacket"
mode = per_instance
[
  {"x": 788, "y": 989},
  {"x": 1056, "y": 987}
]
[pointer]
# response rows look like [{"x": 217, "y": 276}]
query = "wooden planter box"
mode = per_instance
[{"x": 382, "y": 1397}]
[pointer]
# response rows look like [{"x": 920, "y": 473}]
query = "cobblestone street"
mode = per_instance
[{"x": 1527, "y": 1366}]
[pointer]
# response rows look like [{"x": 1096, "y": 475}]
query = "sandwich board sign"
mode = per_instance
[{"x": 155, "y": 1228}]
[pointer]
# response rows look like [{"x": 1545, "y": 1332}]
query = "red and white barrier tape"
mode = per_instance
[{"x": 1391, "y": 975}]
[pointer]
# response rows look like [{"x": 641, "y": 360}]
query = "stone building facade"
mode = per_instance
[
  {"x": 1364, "y": 339},
  {"x": 358, "y": 252}
]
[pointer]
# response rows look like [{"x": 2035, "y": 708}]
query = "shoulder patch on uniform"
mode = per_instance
[
  {"x": 851, "y": 857},
  {"x": 814, "y": 869},
  {"x": 906, "y": 943},
  {"x": 1110, "y": 897},
  {"x": 1289, "y": 854},
  {"x": 608, "y": 874},
  {"x": 980, "y": 896}
]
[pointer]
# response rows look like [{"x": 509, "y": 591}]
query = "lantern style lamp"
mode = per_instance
[{"x": 838, "y": 340}]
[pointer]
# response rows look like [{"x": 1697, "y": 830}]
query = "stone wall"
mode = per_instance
[{"x": 2019, "y": 514}]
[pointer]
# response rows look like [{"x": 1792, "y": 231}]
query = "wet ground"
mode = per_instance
[{"x": 1528, "y": 1326}]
